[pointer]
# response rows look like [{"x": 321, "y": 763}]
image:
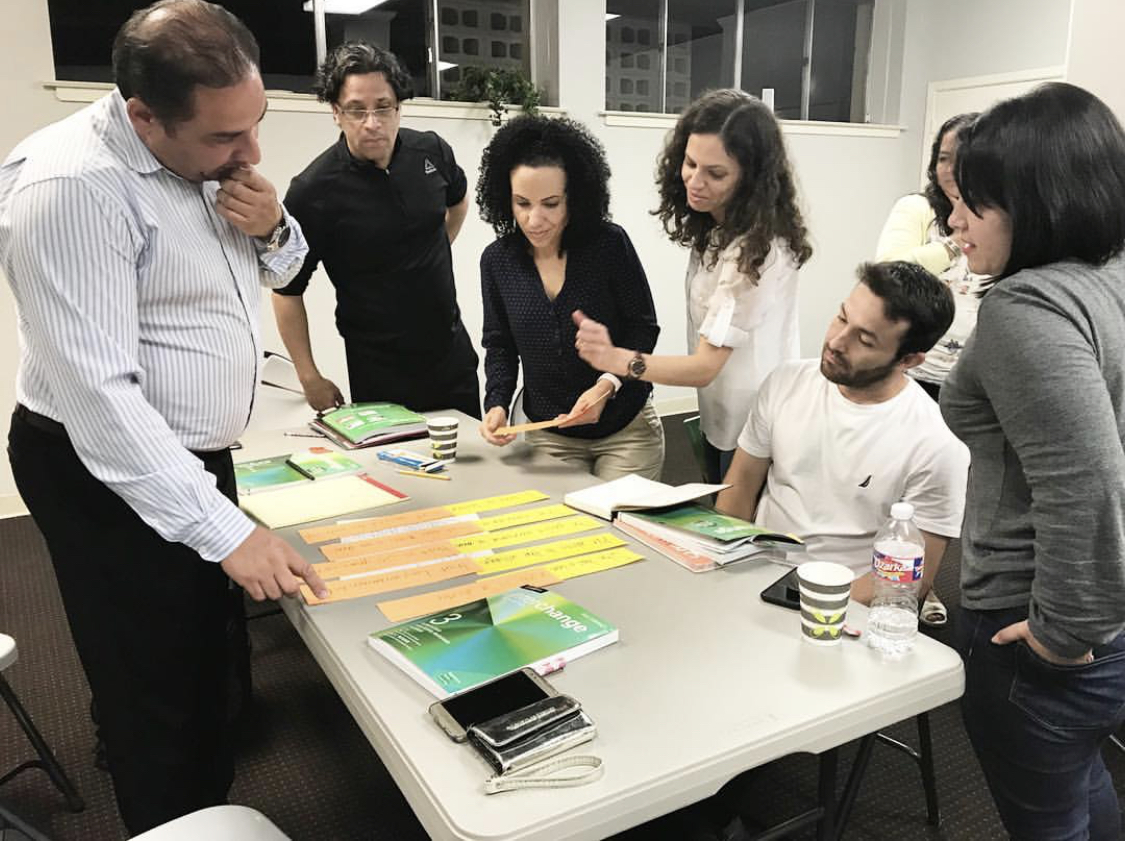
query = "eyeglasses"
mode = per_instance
[{"x": 360, "y": 115}]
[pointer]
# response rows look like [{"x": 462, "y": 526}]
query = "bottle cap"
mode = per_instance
[{"x": 902, "y": 510}]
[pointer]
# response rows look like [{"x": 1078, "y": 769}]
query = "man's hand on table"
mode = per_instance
[{"x": 267, "y": 567}]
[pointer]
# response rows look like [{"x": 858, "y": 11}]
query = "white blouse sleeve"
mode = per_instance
[{"x": 738, "y": 306}]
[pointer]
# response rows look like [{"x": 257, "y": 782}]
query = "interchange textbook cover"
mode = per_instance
[{"x": 456, "y": 649}]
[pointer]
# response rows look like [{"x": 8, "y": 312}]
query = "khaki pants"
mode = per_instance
[{"x": 638, "y": 448}]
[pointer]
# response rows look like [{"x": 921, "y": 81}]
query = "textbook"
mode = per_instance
[
  {"x": 266, "y": 474},
  {"x": 454, "y": 650},
  {"x": 706, "y": 531},
  {"x": 368, "y": 424},
  {"x": 323, "y": 463},
  {"x": 635, "y": 493}
]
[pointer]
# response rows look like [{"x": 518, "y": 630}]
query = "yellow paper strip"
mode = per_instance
[
  {"x": 410, "y": 607},
  {"x": 493, "y": 503},
  {"x": 526, "y": 534},
  {"x": 523, "y": 518},
  {"x": 339, "y": 551},
  {"x": 547, "y": 552},
  {"x": 592, "y": 563},
  {"x": 386, "y": 560},
  {"x": 400, "y": 579}
]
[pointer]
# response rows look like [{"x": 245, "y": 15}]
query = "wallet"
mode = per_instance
[{"x": 531, "y": 733}]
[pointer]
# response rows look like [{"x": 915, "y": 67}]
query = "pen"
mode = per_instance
[
  {"x": 423, "y": 474},
  {"x": 304, "y": 434}
]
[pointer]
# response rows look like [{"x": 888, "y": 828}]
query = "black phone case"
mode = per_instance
[{"x": 784, "y": 592}]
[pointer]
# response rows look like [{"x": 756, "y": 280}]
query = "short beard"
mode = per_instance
[{"x": 861, "y": 379}]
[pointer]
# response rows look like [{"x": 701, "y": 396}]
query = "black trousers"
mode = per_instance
[
  {"x": 447, "y": 380},
  {"x": 150, "y": 620}
]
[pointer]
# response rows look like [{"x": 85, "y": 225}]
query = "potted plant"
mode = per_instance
[{"x": 500, "y": 87}]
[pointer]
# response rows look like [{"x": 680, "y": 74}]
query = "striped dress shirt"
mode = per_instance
[{"x": 138, "y": 316}]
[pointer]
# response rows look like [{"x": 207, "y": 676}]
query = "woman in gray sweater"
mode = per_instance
[{"x": 1038, "y": 396}]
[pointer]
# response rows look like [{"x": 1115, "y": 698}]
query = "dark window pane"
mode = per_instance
[
  {"x": 632, "y": 23},
  {"x": 450, "y": 45},
  {"x": 82, "y": 35},
  {"x": 499, "y": 49},
  {"x": 515, "y": 50},
  {"x": 701, "y": 35},
  {"x": 515, "y": 23},
  {"x": 449, "y": 16},
  {"x": 469, "y": 17},
  {"x": 498, "y": 21},
  {"x": 841, "y": 35},
  {"x": 470, "y": 46},
  {"x": 773, "y": 43}
]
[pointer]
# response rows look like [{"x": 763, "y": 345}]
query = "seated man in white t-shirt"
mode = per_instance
[{"x": 832, "y": 443}]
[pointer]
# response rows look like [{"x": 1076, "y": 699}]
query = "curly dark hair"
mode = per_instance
[
  {"x": 764, "y": 203},
  {"x": 535, "y": 140},
  {"x": 935, "y": 195},
  {"x": 359, "y": 57}
]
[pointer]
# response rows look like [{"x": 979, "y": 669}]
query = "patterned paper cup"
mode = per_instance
[
  {"x": 825, "y": 588},
  {"x": 443, "y": 437}
]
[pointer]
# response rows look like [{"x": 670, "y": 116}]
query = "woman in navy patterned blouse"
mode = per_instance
[{"x": 544, "y": 188}]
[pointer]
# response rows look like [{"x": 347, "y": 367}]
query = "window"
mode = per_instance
[
  {"x": 469, "y": 32},
  {"x": 813, "y": 54}
]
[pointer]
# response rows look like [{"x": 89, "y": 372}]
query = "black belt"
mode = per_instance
[
  {"x": 57, "y": 430},
  {"x": 40, "y": 422}
]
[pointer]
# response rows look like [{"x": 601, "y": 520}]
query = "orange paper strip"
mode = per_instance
[
  {"x": 339, "y": 551},
  {"x": 387, "y": 560},
  {"x": 354, "y": 588},
  {"x": 322, "y": 534},
  {"x": 410, "y": 607}
]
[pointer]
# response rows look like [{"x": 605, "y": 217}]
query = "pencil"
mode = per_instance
[{"x": 423, "y": 475}]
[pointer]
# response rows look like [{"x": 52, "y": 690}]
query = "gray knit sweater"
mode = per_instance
[{"x": 1038, "y": 396}]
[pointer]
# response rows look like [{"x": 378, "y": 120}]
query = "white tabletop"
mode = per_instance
[{"x": 705, "y": 682}]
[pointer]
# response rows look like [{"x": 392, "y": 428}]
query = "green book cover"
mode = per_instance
[
  {"x": 266, "y": 474},
  {"x": 454, "y": 650},
  {"x": 359, "y": 421},
  {"x": 711, "y": 525},
  {"x": 323, "y": 463}
]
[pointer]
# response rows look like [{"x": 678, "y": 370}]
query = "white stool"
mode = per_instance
[
  {"x": 46, "y": 760},
  {"x": 217, "y": 823}
]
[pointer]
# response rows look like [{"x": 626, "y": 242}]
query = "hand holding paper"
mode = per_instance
[{"x": 570, "y": 419}]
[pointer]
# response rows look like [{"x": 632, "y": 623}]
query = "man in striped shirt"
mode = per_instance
[{"x": 136, "y": 235}]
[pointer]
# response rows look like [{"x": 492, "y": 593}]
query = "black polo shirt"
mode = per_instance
[{"x": 381, "y": 236}]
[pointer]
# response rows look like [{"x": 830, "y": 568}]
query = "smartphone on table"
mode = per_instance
[
  {"x": 456, "y": 714},
  {"x": 784, "y": 592}
]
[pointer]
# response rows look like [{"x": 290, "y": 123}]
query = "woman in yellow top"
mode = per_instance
[{"x": 918, "y": 231}]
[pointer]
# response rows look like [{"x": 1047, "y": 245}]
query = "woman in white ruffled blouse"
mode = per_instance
[{"x": 727, "y": 192}]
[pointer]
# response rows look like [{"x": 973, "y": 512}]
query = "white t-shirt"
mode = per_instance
[
  {"x": 758, "y": 321},
  {"x": 838, "y": 466}
]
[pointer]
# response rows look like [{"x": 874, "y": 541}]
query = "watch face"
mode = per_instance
[{"x": 637, "y": 366}]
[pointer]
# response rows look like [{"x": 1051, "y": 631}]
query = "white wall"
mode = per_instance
[
  {"x": 847, "y": 182},
  {"x": 1097, "y": 27},
  {"x": 954, "y": 39}
]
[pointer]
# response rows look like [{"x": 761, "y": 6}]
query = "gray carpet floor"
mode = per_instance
[{"x": 305, "y": 764}]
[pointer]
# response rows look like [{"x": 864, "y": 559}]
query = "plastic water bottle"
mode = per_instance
[{"x": 896, "y": 566}]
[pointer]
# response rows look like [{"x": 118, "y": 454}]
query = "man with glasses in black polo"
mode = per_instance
[{"x": 380, "y": 209}]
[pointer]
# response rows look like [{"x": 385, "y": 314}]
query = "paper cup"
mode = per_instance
[
  {"x": 824, "y": 591},
  {"x": 443, "y": 437}
]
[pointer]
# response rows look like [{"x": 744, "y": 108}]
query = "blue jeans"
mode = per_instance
[{"x": 1037, "y": 729}]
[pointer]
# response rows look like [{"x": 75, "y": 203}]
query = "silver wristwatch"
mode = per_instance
[{"x": 279, "y": 237}]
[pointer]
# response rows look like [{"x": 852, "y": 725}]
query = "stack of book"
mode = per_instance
[
  {"x": 702, "y": 539},
  {"x": 369, "y": 424}
]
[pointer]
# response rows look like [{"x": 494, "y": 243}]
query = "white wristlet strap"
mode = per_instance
[{"x": 544, "y": 775}]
